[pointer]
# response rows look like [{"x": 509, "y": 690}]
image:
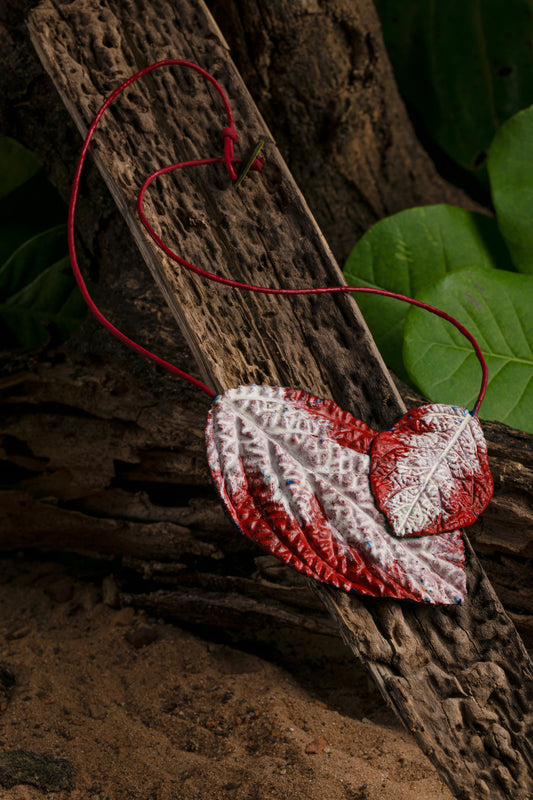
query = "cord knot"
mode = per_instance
[{"x": 230, "y": 133}]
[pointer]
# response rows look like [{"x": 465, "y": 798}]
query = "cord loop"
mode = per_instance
[
  {"x": 230, "y": 133},
  {"x": 230, "y": 137}
]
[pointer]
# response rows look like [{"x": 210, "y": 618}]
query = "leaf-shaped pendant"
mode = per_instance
[
  {"x": 292, "y": 471},
  {"x": 430, "y": 472}
]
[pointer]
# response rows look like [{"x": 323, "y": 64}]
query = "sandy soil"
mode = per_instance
[{"x": 142, "y": 710}]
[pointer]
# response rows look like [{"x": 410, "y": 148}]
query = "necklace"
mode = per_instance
[{"x": 367, "y": 512}]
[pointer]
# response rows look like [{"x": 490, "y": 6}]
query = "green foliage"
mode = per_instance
[
  {"x": 38, "y": 294},
  {"x": 411, "y": 250},
  {"x": 39, "y": 290},
  {"x": 463, "y": 66},
  {"x": 511, "y": 176},
  {"x": 17, "y": 165},
  {"x": 496, "y": 306},
  {"x": 459, "y": 262},
  {"x": 466, "y": 71}
]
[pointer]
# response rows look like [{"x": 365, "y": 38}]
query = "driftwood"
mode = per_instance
[
  {"x": 459, "y": 677},
  {"x": 97, "y": 463}
]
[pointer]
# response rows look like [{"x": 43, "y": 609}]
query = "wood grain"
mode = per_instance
[{"x": 459, "y": 677}]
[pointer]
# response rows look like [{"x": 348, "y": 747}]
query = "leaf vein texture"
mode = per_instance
[{"x": 298, "y": 484}]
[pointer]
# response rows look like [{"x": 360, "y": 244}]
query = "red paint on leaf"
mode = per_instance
[
  {"x": 430, "y": 473},
  {"x": 293, "y": 473}
]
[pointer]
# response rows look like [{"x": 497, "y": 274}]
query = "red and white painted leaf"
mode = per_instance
[
  {"x": 430, "y": 473},
  {"x": 293, "y": 473}
]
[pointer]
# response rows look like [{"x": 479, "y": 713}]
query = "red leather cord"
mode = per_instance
[{"x": 230, "y": 137}]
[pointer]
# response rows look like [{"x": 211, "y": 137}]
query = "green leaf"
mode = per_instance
[
  {"x": 31, "y": 209},
  {"x": 495, "y": 306},
  {"x": 463, "y": 66},
  {"x": 31, "y": 258},
  {"x": 511, "y": 177},
  {"x": 409, "y": 251},
  {"x": 37, "y": 289},
  {"x": 17, "y": 165}
]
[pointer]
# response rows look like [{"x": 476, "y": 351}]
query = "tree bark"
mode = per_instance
[{"x": 440, "y": 699}]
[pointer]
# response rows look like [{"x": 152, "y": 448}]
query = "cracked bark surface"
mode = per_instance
[{"x": 436, "y": 668}]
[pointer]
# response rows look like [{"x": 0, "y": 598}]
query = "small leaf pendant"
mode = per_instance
[
  {"x": 430, "y": 472},
  {"x": 293, "y": 472}
]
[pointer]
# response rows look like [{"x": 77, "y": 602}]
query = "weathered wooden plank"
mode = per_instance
[
  {"x": 459, "y": 677},
  {"x": 235, "y": 232}
]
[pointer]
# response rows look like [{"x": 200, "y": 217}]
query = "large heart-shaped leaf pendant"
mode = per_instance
[
  {"x": 430, "y": 472},
  {"x": 293, "y": 472}
]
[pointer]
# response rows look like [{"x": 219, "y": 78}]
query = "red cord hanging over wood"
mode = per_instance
[{"x": 306, "y": 480}]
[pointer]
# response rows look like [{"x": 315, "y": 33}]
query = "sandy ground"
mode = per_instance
[{"x": 141, "y": 709}]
